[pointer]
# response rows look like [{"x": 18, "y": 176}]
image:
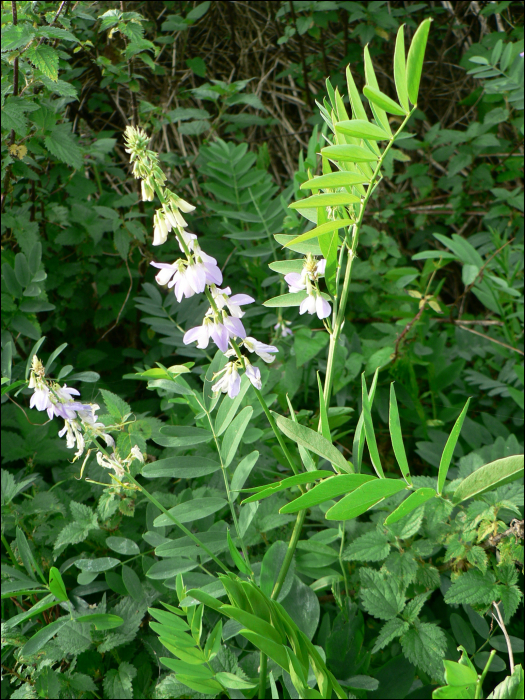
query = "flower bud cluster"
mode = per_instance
[
  {"x": 79, "y": 418},
  {"x": 197, "y": 273}
]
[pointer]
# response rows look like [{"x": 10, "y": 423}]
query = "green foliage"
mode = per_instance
[{"x": 377, "y": 533}]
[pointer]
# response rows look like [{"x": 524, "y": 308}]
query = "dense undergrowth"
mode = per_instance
[{"x": 365, "y": 598}]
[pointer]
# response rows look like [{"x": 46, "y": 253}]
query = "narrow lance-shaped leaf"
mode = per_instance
[
  {"x": 363, "y": 498},
  {"x": 415, "y": 500},
  {"x": 448, "y": 451},
  {"x": 349, "y": 153},
  {"x": 56, "y": 584},
  {"x": 369, "y": 430},
  {"x": 490, "y": 476},
  {"x": 340, "y": 178},
  {"x": 359, "y": 436},
  {"x": 237, "y": 559},
  {"x": 296, "y": 480},
  {"x": 362, "y": 130},
  {"x": 326, "y": 490},
  {"x": 383, "y": 101},
  {"x": 400, "y": 73},
  {"x": 327, "y": 199},
  {"x": 397, "y": 438},
  {"x": 416, "y": 54},
  {"x": 325, "y": 428},
  {"x": 371, "y": 80}
]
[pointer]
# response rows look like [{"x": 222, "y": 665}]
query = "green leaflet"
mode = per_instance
[
  {"x": 349, "y": 153},
  {"x": 182, "y": 436},
  {"x": 490, "y": 476},
  {"x": 239, "y": 562},
  {"x": 449, "y": 448},
  {"x": 327, "y": 227},
  {"x": 415, "y": 500},
  {"x": 302, "y": 248},
  {"x": 400, "y": 74},
  {"x": 396, "y": 435},
  {"x": 180, "y": 468},
  {"x": 312, "y": 441},
  {"x": 362, "y": 130},
  {"x": 284, "y": 267},
  {"x": 56, "y": 584},
  {"x": 296, "y": 480},
  {"x": 337, "y": 179},
  {"x": 233, "y": 435},
  {"x": 364, "y": 497},
  {"x": 189, "y": 511},
  {"x": 286, "y": 300},
  {"x": 328, "y": 199},
  {"x": 383, "y": 101},
  {"x": 416, "y": 54},
  {"x": 326, "y": 490},
  {"x": 369, "y": 429}
]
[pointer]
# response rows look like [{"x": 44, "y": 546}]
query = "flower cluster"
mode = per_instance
[
  {"x": 197, "y": 273},
  {"x": 58, "y": 401},
  {"x": 307, "y": 279}
]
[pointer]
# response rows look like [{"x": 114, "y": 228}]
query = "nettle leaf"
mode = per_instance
[
  {"x": 62, "y": 144},
  {"x": 85, "y": 520},
  {"x": 380, "y": 594},
  {"x": 372, "y": 546},
  {"x": 390, "y": 630},
  {"x": 116, "y": 406},
  {"x": 45, "y": 59},
  {"x": 117, "y": 682},
  {"x": 473, "y": 588},
  {"x": 424, "y": 646}
]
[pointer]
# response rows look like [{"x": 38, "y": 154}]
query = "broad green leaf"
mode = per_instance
[
  {"x": 95, "y": 566},
  {"x": 312, "y": 441},
  {"x": 180, "y": 467},
  {"x": 132, "y": 583},
  {"x": 337, "y": 179},
  {"x": 462, "y": 631},
  {"x": 302, "y": 248},
  {"x": 296, "y": 480},
  {"x": 349, "y": 153},
  {"x": 449, "y": 448},
  {"x": 189, "y": 511},
  {"x": 56, "y": 584},
  {"x": 383, "y": 101},
  {"x": 359, "y": 436},
  {"x": 239, "y": 562},
  {"x": 271, "y": 566},
  {"x": 396, "y": 435},
  {"x": 473, "y": 588},
  {"x": 320, "y": 230},
  {"x": 326, "y": 490},
  {"x": 42, "y": 637},
  {"x": 325, "y": 428},
  {"x": 286, "y": 300},
  {"x": 369, "y": 429},
  {"x": 361, "y": 130},
  {"x": 457, "y": 674},
  {"x": 122, "y": 545},
  {"x": 364, "y": 497},
  {"x": 102, "y": 621},
  {"x": 400, "y": 72},
  {"x": 182, "y": 436},
  {"x": 328, "y": 199},
  {"x": 234, "y": 433},
  {"x": 489, "y": 477},
  {"x": 416, "y": 54},
  {"x": 415, "y": 500},
  {"x": 284, "y": 267}
]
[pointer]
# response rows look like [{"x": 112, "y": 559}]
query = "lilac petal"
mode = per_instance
[
  {"x": 294, "y": 280},
  {"x": 321, "y": 267},
  {"x": 220, "y": 336},
  {"x": 196, "y": 277},
  {"x": 241, "y": 299},
  {"x": 234, "y": 385},
  {"x": 235, "y": 327},
  {"x": 192, "y": 335},
  {"x": 322, "y": 307},
  {"x": 213, "y": 273},
  {"x": 307, "y": 305}
]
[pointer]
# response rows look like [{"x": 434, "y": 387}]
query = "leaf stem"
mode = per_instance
[{"x": 481, "y": 678}]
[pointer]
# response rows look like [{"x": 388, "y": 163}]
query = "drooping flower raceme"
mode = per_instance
[{"x": 197, "y": 273}]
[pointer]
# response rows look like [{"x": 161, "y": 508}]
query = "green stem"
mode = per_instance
[
  {"x": 10, "y": 552},
  {"x": 289, "y": 553},
  {"x": 343, "y": 569},
  {"x": 262, "y": 675},
  {"x": 479, "y": 684}
]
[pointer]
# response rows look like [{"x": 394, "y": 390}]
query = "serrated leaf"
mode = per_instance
[
  {"x": 390, "y": 630},
  {"x": 372, "y": 546},
  {"x": 62, "y": 144},
  {"x": 473, "y": 588},
  {"x": 380, "y": 594},
  {"x": 424, "y": 646},
  {"x": 116, "y": 406},
  {"x": 45, "y": 59},
  {"x": 118, "y": 682}
]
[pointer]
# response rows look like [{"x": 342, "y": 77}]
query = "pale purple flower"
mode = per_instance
[
  {"x": 260, "y": 349},
  {"x": 182, "y": 281},
  {"x": 296, "y": 282},
  {"x": 220, "y": 335},
  {"x": 189, "y": 239},
  {"x": 253, "y": 373},
  {"x": 230, "y": 382},
  {"x": 196, "y": 277},
  {"x": 201, "y": 334},
  {"x": 282, "y": 326},
  {"x": 320, "y": 267},
  {"x": 234, "y": 327},
  {"x": 209, "y": 264},
  {"x": 312, "y": 269},
  {"x": 222, "y": 298}
]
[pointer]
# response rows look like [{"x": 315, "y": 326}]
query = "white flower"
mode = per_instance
[
  {"x": 189, "y": 239},
  {"x": 40, "y": 398},
  {"x": 219, "y": 332},
  {"x": 311, "y": 271},
  {"x": 166, "y": 272},
  {"x": 175, "y": 218},
  {"x": 161, "y": 228},
  {"x": 253, "y": 373},
  {"x": 137, "y": 454},
  {"x": 260, "y": 349},
  {"x": 73, "y": 436},
  {"x": 315, "y": 304},
  {"x": 182, "y": 204},
  {"x": 182, "y": 281},
  {"x": 230, "y": 382},
  {"x": 147, "y": 191}
]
